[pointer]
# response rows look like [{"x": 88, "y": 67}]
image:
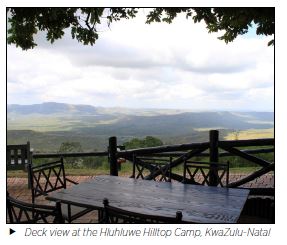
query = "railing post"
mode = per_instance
[
  {"x": 213, "y": 156},
  {"x": 30, "y": 161},
  {"x": 113, "y": 156}
]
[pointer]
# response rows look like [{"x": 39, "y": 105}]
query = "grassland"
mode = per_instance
[
  {"x": 250, "y": 134},
  {"x": 55, "y": 123}
]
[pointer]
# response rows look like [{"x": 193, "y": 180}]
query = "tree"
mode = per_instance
[
  {"x": 72, "y": 147},
  {"x": 236, "y": 134},
  {"x": 148, "y": 141},
  {"x": 24, "y": 23}
]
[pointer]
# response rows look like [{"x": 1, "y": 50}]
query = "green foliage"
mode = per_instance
[
  {"x": 67, "y": 147},
  {"x": 72, "y": 147},
  {"x": 24, "y": 23},
  {"x": 233, "y": 21},
  {"x": 95, "y": 162},
  {"x": 237, "y": 162},
  {"x": 82, "y": 162},
  {"x": 148, "y": 141}
]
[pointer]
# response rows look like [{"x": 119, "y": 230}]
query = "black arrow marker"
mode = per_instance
[{"x": 11, "y": 231}]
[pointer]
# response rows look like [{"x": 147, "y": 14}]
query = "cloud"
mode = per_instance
[{"x": 134, "y": 64}]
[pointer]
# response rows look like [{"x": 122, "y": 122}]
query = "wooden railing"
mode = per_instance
[
  {"x": 67, "y": 155},
  {"x": 214, "y": 150}
]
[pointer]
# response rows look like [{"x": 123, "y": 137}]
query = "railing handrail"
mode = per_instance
[
  {"x": 171, "y": 150},
  {"x": 205, "y": 154},
  {"x": 165, "y": 148},
  {"x": 70, "y": 154},
  {"x": 250, "y": 142},
  {"x": 217, "y": 148}
]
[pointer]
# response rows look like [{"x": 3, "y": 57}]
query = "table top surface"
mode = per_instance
[{"x": 199, "y": 204}]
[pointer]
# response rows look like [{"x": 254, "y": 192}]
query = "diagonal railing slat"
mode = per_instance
[
  {"x": 178, "y": 161},
  {"x": 246, "y": 156},
  {"x": 182, "y": 151},
  {"x": 253, "y": 176}
]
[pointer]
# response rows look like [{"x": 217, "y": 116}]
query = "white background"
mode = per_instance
[{"x": 278, "y": 230}]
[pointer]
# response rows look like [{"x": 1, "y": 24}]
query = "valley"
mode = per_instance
[{"x": 47, "y": 125}]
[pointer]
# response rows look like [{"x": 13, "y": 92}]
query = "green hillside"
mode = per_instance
[{"x": 47, "y": 125}]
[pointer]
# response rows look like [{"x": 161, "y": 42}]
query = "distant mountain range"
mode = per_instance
[
  {"x": 86, "y": 121},
  {"x": 51, "y": 108},
  {"x": 125, "y": 121},
  {"x": 48, "y": 108},
  {"x": 144, "y": 116}
]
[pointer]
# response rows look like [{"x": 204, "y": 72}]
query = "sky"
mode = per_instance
[{"x": 135, "y": 65}]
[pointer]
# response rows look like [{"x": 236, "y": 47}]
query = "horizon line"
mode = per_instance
[{"x": 147, "y": 108}]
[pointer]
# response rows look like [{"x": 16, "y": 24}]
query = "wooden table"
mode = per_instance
[{"x": 200, "y": 204}]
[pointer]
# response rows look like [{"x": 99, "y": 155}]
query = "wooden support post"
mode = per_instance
[
  {"x": 213, "y": 156},
  {"x": 113, "y": 156},
  {"x": 29, "y": 161}
]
